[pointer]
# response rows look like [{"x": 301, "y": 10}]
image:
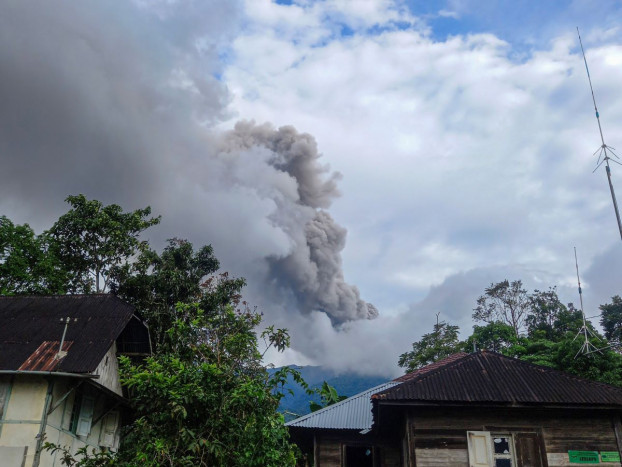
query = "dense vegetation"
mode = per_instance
[
  {"x": 534, "y": 327},
  {"x": 203, "y": 397}
]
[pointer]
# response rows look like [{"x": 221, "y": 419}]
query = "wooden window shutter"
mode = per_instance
[
  {"x": 529, "y": 450},
  {"x": 109, "y": 430},
  {"x": 480, "y": 454},
  {"x": 86, "y": 416}
]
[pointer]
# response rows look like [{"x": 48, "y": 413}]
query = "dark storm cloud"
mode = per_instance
[
  {"x": 117, "y": 100},
  {"x": 96, "y": 98}
]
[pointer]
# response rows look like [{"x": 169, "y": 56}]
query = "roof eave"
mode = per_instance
[{"x": 49, "y": 373}]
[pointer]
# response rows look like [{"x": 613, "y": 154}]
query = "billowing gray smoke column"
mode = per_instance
[
  {"x": 311, "y": 269},
  {"x": 119, "y": 101}
]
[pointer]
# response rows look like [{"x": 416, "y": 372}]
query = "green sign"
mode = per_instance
[
  {"x": 583, "y": 457},
  {"x": 609, "y": 456}
]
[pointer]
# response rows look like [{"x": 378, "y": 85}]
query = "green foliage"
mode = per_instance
[
  {"x": 26, "y": 264},
  {"x": 328, "y": 396},
  {"x": 551, "y": 339},
  {"x": 495, "y": 336},
  {"x": 82, "y": 457},
  {"x": 95, "y": 243},
  {"x": 545, "y": 312},
  {"x": 440, "y": 343},
  {"x": 611, "y": 320},
  {"x": 156, "y": 283},
  {"x": 208, "y": 400},
  {"x": 504, "y": 301}
]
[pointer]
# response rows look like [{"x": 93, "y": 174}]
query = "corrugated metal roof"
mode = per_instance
[
  {"x": 26, "y": 323},
  {"x": 353, "y": 413},
  {"x": 46, "y": 357},
  {"x": 488, "y": 377},
  {"x": 430, "y": 367}
]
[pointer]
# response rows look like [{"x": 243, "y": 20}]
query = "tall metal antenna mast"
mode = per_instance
[
  {"x": 587, "y": 346},
  {"x": 604, "y": 150}
]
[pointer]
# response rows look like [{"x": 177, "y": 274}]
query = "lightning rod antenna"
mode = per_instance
[{"x": 604, "y": 150}]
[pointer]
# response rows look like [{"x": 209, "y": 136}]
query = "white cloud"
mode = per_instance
[{"x": 456, "y": 157}]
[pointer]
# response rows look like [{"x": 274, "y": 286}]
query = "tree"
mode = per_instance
[
  {"x": 328, "y": 396},
  {"x": 545, "y": 310},
  {"x": 504, "y": 301},
  {"x": 156, "y": 283},
  {"x": 440, "y": 343},
  {"x": 96, "y": 242},
  {"x": 26, "y": 264},
  {"x": 495, "y": 336},
  {"x": 611, "y": 320},
  {"x": 208, "y": 401}
]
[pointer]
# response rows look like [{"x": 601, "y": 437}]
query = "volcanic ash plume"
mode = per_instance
[{"x": 310, "y": 272}]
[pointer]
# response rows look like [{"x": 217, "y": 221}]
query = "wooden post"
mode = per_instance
[{"x": 410, "y": 439}]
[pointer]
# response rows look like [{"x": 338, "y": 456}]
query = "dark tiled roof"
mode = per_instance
[
  {"x": 430, "y": 367},
  {"x": 488, "y": 377},
  {"x": 29, "y": 324}
]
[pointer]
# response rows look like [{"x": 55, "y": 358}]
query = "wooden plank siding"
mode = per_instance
[
  {"x": 440, "y": 435},
  {"x": 329, "y": 449}
]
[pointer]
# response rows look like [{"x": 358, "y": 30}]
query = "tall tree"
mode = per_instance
[
  {"x": 155, "y": 283},
  {"x": 507, "y": 302},
  {"x": 95, "y": 242},
  {"x": 27, "y": 266},
  {"x": 495, "y": 336},
  {"x": 545, "y": 309},
  {"x": 440, "y": 343}
]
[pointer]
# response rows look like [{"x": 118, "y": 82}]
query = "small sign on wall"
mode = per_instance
[
  {"x": 609, "y": 456},
  {"x": 583, "y": 457}
]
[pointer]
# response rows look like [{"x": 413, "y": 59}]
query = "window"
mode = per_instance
[
  {"x": 82, "y": 415},
  {"x": 359, "y": 456},
  {"x": 500, "y": 449},
  {"x": 108, "y": 435}
]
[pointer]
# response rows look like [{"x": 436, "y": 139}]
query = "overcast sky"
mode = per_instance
[{"x": 365, "y": 164}]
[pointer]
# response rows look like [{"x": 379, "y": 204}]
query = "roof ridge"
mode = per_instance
[
  {"x": 552, "y": 370},
  {"x": 429, "y": 373},
  {"x": 426, "y": 368},
  {"x": 52, "y": 296}
]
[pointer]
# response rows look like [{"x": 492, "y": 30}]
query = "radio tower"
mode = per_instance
[
  {"x": 603, "y": 151},
  {"x": 587, "y": 347}
]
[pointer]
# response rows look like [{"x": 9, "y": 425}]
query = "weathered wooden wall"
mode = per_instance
[
  {"x": 440, "y": 435},
  {"x": 329, "y": 449}
]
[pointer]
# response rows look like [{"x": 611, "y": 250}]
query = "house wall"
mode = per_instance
[
  {"x": 439, "y": 436},
  {"x": 24, "y": 411},
  {"x": 108, "y": 371},
  {"x": 329, "y": 448}
]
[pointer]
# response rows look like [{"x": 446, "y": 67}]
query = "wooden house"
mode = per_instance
[
  {"x": 59, "y": 374},
  {"x": 482, "y": 409}
]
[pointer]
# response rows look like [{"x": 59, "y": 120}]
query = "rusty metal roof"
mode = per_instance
[
  {"x": 488, "y": 377},
  {"x": 47, "y": 356},
  {"x": 353, "y": 413},
  {"x": 31, "y": 330}
]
